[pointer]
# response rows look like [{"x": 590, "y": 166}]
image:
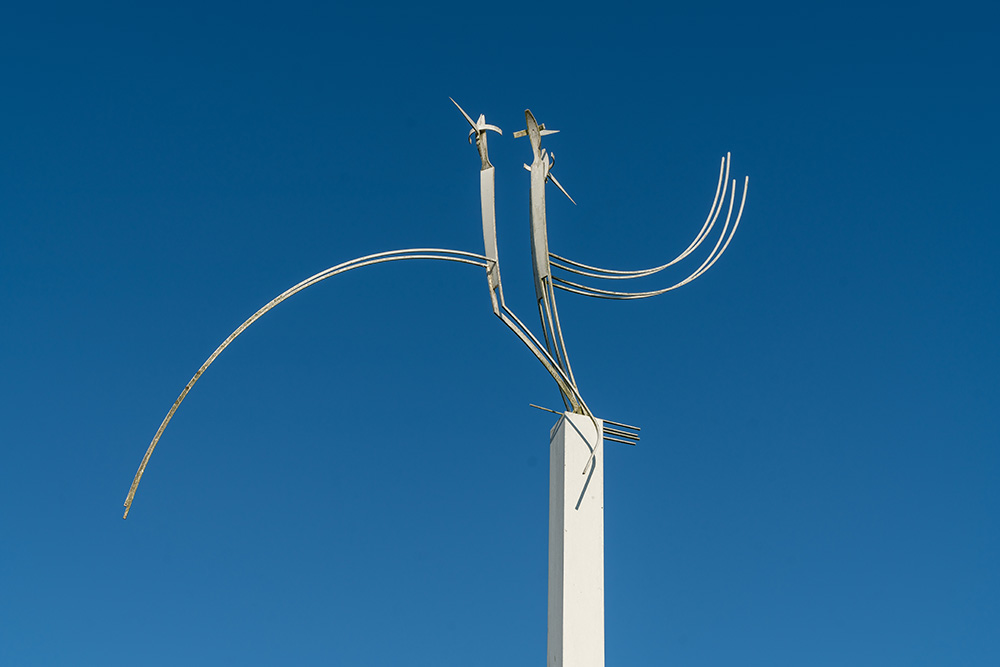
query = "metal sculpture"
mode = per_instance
[
  {"x": 552, "y": 354},
  {"x": 576, "y": 504}
]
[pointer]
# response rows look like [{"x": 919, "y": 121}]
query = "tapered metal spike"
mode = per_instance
[
  {"x": 561, "y": 188},
  {"x": 467, "y": 117}
]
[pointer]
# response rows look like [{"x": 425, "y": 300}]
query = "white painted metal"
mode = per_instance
[{"x": 576, "y": 543}]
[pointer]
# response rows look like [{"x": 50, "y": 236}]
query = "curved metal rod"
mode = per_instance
[
  {"x": 709, "y": 261},
  {"x": 713, "y": 214},
  {"x": 568, "y": 389},
  {"x": 551, "y": 348},
  {"x": 378, "y": 258},
  {"x": 706, "y": 228},
  {"x": 555, "y": 311},
  {"x": 712, "y": 258},
  {"x": 546, "y": 314},
  {"x": 508, "y": 317}
]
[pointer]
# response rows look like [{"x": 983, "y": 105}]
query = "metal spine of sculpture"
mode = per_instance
[
  {"x": 552, "y": 354},
  {"x": 548, "y": 312}
]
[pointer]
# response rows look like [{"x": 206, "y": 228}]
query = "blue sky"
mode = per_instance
[{"x": 359, "y": 479}]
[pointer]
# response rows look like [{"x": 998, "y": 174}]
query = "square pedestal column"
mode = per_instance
[{"x": 576, "y": 544}]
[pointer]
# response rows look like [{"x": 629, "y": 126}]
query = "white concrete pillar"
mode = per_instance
[{"x": 576, "y": 544}]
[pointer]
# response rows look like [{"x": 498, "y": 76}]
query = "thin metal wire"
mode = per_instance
[{"x": 368, "y": 260}]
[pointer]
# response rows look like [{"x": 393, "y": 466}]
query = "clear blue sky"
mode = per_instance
[{"x": 359, "y": 479}]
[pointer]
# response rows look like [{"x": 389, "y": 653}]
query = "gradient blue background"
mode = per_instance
[{"x": 359, "y": 479}]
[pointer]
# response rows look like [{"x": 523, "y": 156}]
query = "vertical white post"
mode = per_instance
[{"x": 576, "y": 544}]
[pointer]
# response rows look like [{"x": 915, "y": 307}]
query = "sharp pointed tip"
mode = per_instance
[{"x": 462, "y": 111}]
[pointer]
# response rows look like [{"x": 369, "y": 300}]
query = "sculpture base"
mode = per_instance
[{"x": 576, "y": 544}]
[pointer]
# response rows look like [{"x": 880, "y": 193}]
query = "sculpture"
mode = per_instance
[{"x": 552, "y": 354}]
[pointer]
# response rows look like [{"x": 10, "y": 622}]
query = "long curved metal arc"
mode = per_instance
[
  {"x": 712, "y": 258},
  {"x": 585, "y": 290},
  {"x": 706, "y": 228},
  {"x": 390, "y": 256}
]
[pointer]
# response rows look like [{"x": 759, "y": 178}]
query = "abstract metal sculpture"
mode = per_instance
[{"x": 553, "y": 356}]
